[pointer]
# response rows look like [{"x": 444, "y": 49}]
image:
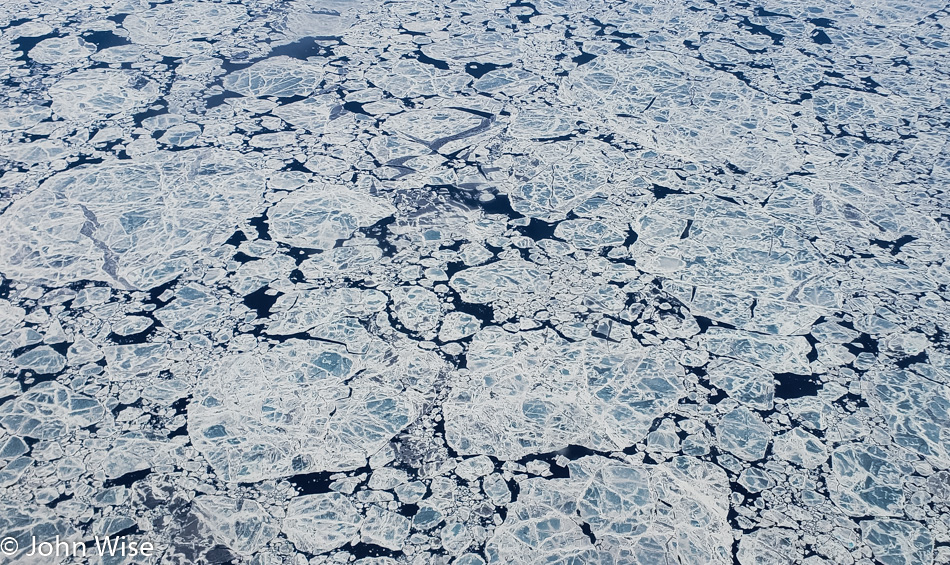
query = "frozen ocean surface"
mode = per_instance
[{"x": 475, "y": 282}]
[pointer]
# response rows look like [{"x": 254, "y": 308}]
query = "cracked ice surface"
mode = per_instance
[
  {"x": 551, "y": 393},
  {"x": 101, "y": 93},
  {"x": 477, "y": 281},
  {"x": 317, "y": 218},
  {"x": 297, "y": 408},
  {"x": 281, "y": 77},
  {"x": 626, "y": 506},
  {"x": 134, "y": 225}
]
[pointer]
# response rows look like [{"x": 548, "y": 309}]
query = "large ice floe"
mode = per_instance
[{"x": 471, "y": 282}]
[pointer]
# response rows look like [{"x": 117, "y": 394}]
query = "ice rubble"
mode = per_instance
[{"x": 382, "y": 283}]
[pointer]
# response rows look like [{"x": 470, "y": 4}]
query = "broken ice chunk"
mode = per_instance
[
  {"x": 287, "y": 411},
  {"x": 617, "y": 500},
  {"x": 22, "y": 337},
  {"x": 22, "y": 117},
  {"x": 69, "y": 49},
  {"x": 384, "y": 528},
  {"x": 500, "y": 280},
  {"x": 119, "y": 54},
  {"x": 750, "y": 385},
  {"x": 427, "y": 517},
  {"x": 562, "y": 177},
  {"x": 325, "y": 18},
  {"x": 411, "y": 492},
  {"x": 799, "y": 446},
  {"x": 496, "y": 489},
  {"x": 165, "y": 24},
  {"x": 509, "y": 81},
  {"x": 31, "y": 520},
  {"x": 131, "y": 325},
  {"x": 436, "y": 127},
  {"x": 193, "y": 308},
  {"x": 474, "y": 467},
  {"x": 408, "y": 78},
  {"x": 769, "y": 546},
  {"x": 744, "y": 434},
  {"x": 10, "y": 316},
  {"x": 332, "y": 314},
  {"x": 755, "y": 480},
  {"x": 43, "y": 360},
  {"x": 13, "y": 447},
  {"x": 42, "y": 151},
  {"x": 387, "y": 478},
  {"x": 589, "y": 234},
  {"x": 240, "y": 524},
  {"x": 320, "y": 522},
  {"x": 899, "y": 542},
  {"x": 282, "y": 77},
  {"x": 779, "y": 354},
  {"x": 91, "y": 296},
  {"x": 730, "y": 247},
  {"x": 623, "y": 505},
  {"x": 455, "y": 537},
  {"x": 316, "y": 217},
  {"x": 469, "y": 559},
  {"x": 417, "y": 308},
  {"x": 536, "y": 392},
  {"x": 916, "y": 409},
  {"x": 50, "y": 411},
  {"x": 664, "y": 438},
  {"x": 458, "y": 325},
  {"x": 830, "y": 332},
  {"x": 89, "y": 95},
  {"x": 131, "y": 224},
  {"x": 183, "y": 135},
  {"x": 539, "y": 122},
  {"x": 868, "y": 483},
  {"x": 312, "y": 113},
  {"x": 539, "y": 533}
]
